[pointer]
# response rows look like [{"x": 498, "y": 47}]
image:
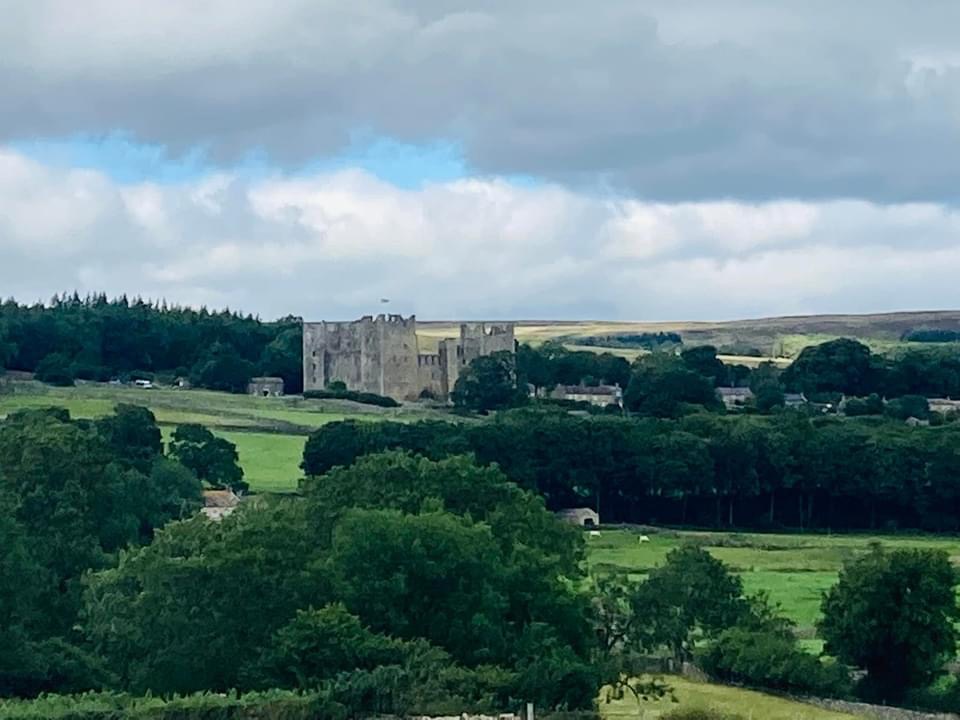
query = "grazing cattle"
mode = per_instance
[{"x": 594, "y": 533}]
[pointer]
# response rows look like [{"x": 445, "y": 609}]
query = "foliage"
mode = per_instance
[
  {"x": 785, "y": 469},
  {"x": 552, "y": 364},
  {"x": 212, "y": 459},
  {"x": 908, "y": 406},
  {"x": 924, "y": 335},
  {"x": 843, "y": 366},
  {"x": 892, "y": 613},
  {"x": 488, "y": 383},
  {"x": 335, "y": 393},
  {"x": 761, "y": 658},
  {"x": 427, "y": 575},
  {"x": 55, "y": 369},
  {"x": 96, "y": 338},
  {"x": 72, "y": 494},
  {"x": 275, "y": 705},
  {"x": 665, "y": 386},
  {"x": 691, "y": 595}
]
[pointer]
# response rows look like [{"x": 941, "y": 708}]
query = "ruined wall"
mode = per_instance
[
  {"x": 376, "y": 355},
  {"x": 476, "y": 340},
  {"x": 433, "y": 376},
  {"x": 381, "y": 355}
]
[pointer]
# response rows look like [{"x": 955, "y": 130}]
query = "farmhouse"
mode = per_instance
[
  {"x": 944, "y": 405},
  {"x": 600, "y": 395},
  {"x": 585, "y": 517},
  {"x": 265, "y": 387},
  {"x": 217, "y": 504},
  {"x": 734, "y": 397}
]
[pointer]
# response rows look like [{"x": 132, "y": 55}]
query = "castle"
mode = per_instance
[{"x": 382, "y": 355}]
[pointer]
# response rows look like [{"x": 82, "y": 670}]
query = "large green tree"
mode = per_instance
[
  {"x": 894, "y": 614},
  {"x": 214, "y": 460}
]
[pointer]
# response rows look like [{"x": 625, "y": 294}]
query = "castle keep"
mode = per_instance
[{"x": 382, "y": 355}]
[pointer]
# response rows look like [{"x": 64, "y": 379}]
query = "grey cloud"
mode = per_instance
[{"x": 662, "y": 100}]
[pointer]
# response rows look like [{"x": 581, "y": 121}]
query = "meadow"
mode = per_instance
[
  {"x": 269, "y": 432},
  {"x": 748, "y": 704},
  {"x": 793, "y": 569}
]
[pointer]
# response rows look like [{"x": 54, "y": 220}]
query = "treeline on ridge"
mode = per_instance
[
  {"x": 95, "y": 338},
  {"x": 786, "y": 470}
]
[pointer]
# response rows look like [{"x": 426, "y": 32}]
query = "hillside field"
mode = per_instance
[
  {"x": 794, "y": 569},
  {"x": 748, "y": 704},
  {"x": 269, "y": 432}
]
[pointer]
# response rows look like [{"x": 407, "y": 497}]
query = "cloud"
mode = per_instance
[
  {"x": 702, "y": 100},
  {"x": 330, "y": 244}
]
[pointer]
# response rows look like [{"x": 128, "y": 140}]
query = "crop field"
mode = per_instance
[
  {"x": 688, "y": 694},
  {"x": 794, "y": 569}
]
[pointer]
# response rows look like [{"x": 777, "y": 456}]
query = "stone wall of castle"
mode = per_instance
[{"x": 381, "y": 355}]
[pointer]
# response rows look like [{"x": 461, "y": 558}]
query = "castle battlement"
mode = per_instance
[{"x": 382, "y": 355}]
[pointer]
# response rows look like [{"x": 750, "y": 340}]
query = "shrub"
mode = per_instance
[
  {"x": 772, "y": 660},
  {"x": 275, "y": 705},
  {"x": 361, "y": 397},
  {"x": 700, "y": 713},
  {"x": 55, "y": 369}
]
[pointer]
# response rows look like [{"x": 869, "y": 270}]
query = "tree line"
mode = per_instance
[
  {"x": 786, "y": 470},
  {"x": 96, "y": 338}
]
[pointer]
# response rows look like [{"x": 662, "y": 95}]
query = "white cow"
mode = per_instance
[{"x": 644, "y": 538}]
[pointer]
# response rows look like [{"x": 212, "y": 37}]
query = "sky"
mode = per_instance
[{"x": 544, "y": 159}]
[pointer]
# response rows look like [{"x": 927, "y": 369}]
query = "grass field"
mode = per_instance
[
  {"x": 794, "y": 569},
  {"x": 746, "y": 703},
  {"x": 269, "y": 432}
]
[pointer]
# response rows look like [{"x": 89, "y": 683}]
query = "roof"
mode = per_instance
[
  {"x": 590, "y": 389},
  {"x": 578, "y": 513},
  {"x": 220, "y": 499},
  {"x": 734, "y": 392},
  {"x": 266, "y": 380}
]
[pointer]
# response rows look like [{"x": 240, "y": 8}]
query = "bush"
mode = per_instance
[
  {"x": 771, "y": 660},
  {"x": 275, "y": 705},
  {"x": 699, "y": 713},
  {"x": 55, "y": 369},
  {"x": 361, "y": 397}
]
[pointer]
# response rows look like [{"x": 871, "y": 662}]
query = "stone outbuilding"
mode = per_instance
[
  {"x": 265, "y": 387},
  {"x": 584, "y": 517}
]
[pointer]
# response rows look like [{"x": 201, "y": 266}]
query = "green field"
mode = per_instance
[
  {"x": 688, "y": 694},
  {"x": 793, "y": 569},
  {"x": 269, "y": 432}
]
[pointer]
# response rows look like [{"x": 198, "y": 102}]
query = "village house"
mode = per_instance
[
  {"x": 599, "y": 395},
  {"x": 734, "y": 397}
]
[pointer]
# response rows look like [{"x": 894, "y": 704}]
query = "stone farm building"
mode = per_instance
[
  {"x": 584, "y": 517},
  {"x": 382, "y": 355},
  {"x": 265, "y": 387}
]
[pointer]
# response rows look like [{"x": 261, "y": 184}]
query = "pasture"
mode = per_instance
[
  {"x": 269, "y": 432},
  {"x": 794, "y": 569},
  {"x": 748, "y": 704}
]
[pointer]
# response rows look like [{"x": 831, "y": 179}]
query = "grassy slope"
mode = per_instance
[
  {"x": 269, "y": 432},
  {"x": 793, "y": 569},
  {"x": 747, "y": 703}
]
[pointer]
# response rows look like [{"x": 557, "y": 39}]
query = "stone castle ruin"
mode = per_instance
[{"x": 382, "y": 355}]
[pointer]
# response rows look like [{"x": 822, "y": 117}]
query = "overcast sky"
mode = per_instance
[{"x": 612, "y": 159}]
